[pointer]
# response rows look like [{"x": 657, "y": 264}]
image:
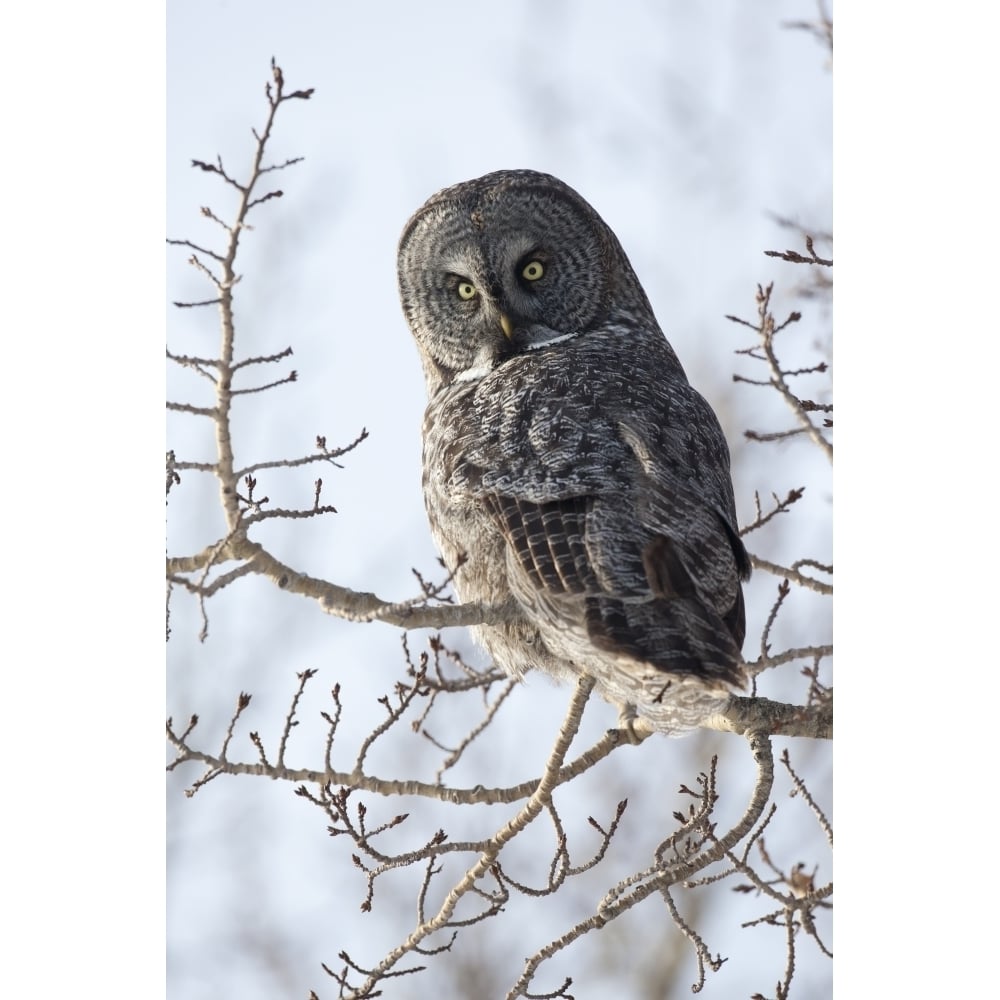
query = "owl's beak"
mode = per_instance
[{"x": 506, "y": 325}]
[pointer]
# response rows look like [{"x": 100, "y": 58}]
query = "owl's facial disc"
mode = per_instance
[{"x": 489, "y": 271}]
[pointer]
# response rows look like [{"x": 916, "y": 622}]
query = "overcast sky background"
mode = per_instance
[{"x": 685, "y": 126}]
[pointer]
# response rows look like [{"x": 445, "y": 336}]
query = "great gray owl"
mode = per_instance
[{"x": 567, "y": 461}]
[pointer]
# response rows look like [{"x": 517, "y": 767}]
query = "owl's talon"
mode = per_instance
[{"x": 627, "y": 732}]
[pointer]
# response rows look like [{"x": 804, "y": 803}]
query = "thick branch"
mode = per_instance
[
  {"x": 792, "y": 573},
  {"x": 746, "y": 715},
  {"x": 352, "y": 605},
  {"x": 384, "y": 786}
]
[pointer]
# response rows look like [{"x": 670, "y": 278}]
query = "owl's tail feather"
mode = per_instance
[{"x": 678, "y": 636}]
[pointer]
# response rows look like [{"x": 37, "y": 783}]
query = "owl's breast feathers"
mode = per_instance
[{"x": 608, "y": 504}]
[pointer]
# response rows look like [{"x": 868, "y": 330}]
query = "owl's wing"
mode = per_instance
[
  {"x": 623, "y": 527},
  {"x": 579, "y": 562}
]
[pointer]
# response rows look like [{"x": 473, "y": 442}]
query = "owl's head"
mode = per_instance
[{"x": 506, "y": 264}]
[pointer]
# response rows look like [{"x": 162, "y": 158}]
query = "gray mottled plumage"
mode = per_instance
[{"x": 566, "y": 457}]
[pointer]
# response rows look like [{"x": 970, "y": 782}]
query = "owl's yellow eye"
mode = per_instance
[
  {"x": 467, "y": 290},
  {"x": 532, "y": 271}
]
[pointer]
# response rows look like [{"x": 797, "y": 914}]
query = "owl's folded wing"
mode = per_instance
[
  {"x": 616, "y": 506},
  {"x": 586, "y": 562}
]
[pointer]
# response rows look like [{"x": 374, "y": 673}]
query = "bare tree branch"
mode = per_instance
[
  {"x": 768, "y": 329},
  {"x": 663, "y": 875}
]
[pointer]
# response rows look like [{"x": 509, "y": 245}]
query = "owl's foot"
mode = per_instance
[{"x": 630, "y": 728}]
